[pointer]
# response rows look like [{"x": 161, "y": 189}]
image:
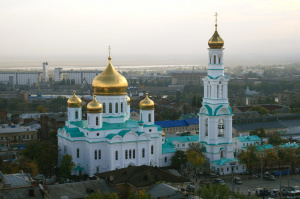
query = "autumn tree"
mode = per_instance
[
  {"x": 249, "y": 157},
  {"x": 106, "y": 195},
  {"x": 194, "y": 154},
  {"x": 41, "y": 109},
  {"x": 268, "y": 156},
  {"x": 286, "y": 156}
]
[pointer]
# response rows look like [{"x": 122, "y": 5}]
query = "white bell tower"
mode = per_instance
[{"x": 215, "y": 117}]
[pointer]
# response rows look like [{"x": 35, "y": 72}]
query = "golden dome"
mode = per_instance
[
  {"x": 128, "y": 100},
  {"x": 94, "y": 106},
  {"x": 216, "y": 42},
  {"x": 110, "y": 82},
  {"x": 146, "y": 104},
  {"x": 163, "y": 134},
  {"x": 74, "y": 101}
]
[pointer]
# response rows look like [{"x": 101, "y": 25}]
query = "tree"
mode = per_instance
[
  {"x": 41, "y": 109},
  {"x": 194, "y": 154},
  {"x": 259, "y": 109},
  {"x": 286, "y": 156},
  {"x": 98, "y": 195},
  {"x": 178, "y": 159},
  {"x": 249, "y": 157},
  {"x": 268, "y": 156},
  {"x": 275, "y": 140},
  {"x": 140, "y": 195},
  {"x": 217, "y": 191},
  {"x": 66, "y": 166},
  {"x": 260, "y": 132}
]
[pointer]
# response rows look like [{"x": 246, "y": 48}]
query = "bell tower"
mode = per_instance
[{"x": 215, "y": 117}]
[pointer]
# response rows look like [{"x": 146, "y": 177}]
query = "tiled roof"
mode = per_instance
[
  {"x": 290, "y": 145},
  {"x": 263, "y": 147},
  {"x": 188, "y": 138},
  {"x": 249, "y": 138},
  {"x": 223, "y": 161},
  {"x": 140, "y": 176}
]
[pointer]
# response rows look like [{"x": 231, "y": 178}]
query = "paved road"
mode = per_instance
[{"x": 249, "y": 184}]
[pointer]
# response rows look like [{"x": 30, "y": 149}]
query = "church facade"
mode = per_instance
[{"x": 109, "y": 139}]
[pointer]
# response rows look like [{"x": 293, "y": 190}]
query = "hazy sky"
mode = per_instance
[{"x": 148, "y": 32}]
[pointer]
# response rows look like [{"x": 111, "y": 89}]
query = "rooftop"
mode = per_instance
[
  {"x": 249, "y": 138},
  {"x": 6, "y": 128}
]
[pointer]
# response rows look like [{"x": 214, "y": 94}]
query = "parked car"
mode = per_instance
[
  {"x": 269, "y": 176},
  {"x": 238, "y": 180},
  {"x": 190, "y": 186},
  {"x": 245, "y": 173},
  {"x": 213, "y": 175},
  {"x": 218, "y": 180}
]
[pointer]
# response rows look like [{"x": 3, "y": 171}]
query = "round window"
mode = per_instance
[{"x": 150, "y": 130}]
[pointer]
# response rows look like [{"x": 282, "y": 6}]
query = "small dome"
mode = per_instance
[
  {"x": 216, "y": 42},
  {"x": 94, "y": 106},
  {"x": 163, "y": 134},
  {"x": 146, "y": 104},
  {"x": 128, "y": 100},
  {"x": 110, "y": 82},
  {"x": 74, "y": 101}
]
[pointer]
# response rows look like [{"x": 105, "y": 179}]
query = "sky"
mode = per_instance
[{"x": 147, "y": 32}]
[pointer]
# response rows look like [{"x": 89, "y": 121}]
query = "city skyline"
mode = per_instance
[{"x": 147, "y": 33}]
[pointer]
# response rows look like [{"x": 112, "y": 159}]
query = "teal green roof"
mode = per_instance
[
  {"x": 128, "y": 124},
  {"x": 124, "y": 132},
  {"x": 263, "y": 147},
  {"x": 168, "y": 148},
  {"x": 74, "y": 132},
  {"x": 191, "y": 138},
  {"x": 223, "y": 161},
  {"x": 290, "y": 145},
  {"x": 249, "y": 138}
]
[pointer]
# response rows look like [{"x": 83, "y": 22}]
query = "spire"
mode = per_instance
[
  {"x": 216, "y": 24},
  {"x": 109, "y": 58}
]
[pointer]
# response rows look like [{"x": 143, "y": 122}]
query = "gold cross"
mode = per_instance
[
  {"x": 216, "y": 15},
  {"x": 109, "y": 50}
]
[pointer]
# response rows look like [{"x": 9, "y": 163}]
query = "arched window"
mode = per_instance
[
  {"x": 110, "y": 108},
  {"x": 143, "y": 152},
  {"x": 221, "y": 128},
  {"x": 141, "y": 117},
  {"x": 217, "y": 91},
  {"x": 97, "y": 120},
  {"x": 99, "y": 154},
  {"x": 149, "y": 117},
  {"x": 95, "y": 154},
  {"x": 221, "y": 92},
  {"x": 77, "y": 152},
  {"x": 130, "y": 154},
  {"x": 207, "y": 91},
  {"x": 76, "y": 114},
  {"x": 117, "y": 107},
  {"x": 219, "y": 59},
  {"x": 210, "y": 59},
  {"x": 215, "y": 59},
  {"x": 166, "y": 159},
  {"x": 89, "y": 120},
  {"x": 126, "y": 154},
  {"x": 206, "y": 127},
  {"x": 116, "y": 155},
  {"x": 133, "y": 153},
  {"x": 151, "y": 149},
  {"x": 121, "y": 107},
  {"x": 104, "y": 107}
]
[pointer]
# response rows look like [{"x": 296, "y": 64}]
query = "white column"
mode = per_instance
[{"x": 205, "y": 90}]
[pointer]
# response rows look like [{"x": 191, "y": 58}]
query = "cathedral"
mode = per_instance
[{"x": 109, "y": 139}]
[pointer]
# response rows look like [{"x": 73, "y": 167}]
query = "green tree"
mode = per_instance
[
  {"x": 249, "y": 157},
  {"x": 178, "y": 159},
  {"x": 217, "y": 191},
  {"x": 66, "y": 166},
  {"x": 260, "y": 132},
  {"x": 276, "y": 140},
  {"x": 259, "y": 109},
  {"x": 194, "y": 101},
  {"x": 98, "y": 195}
]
